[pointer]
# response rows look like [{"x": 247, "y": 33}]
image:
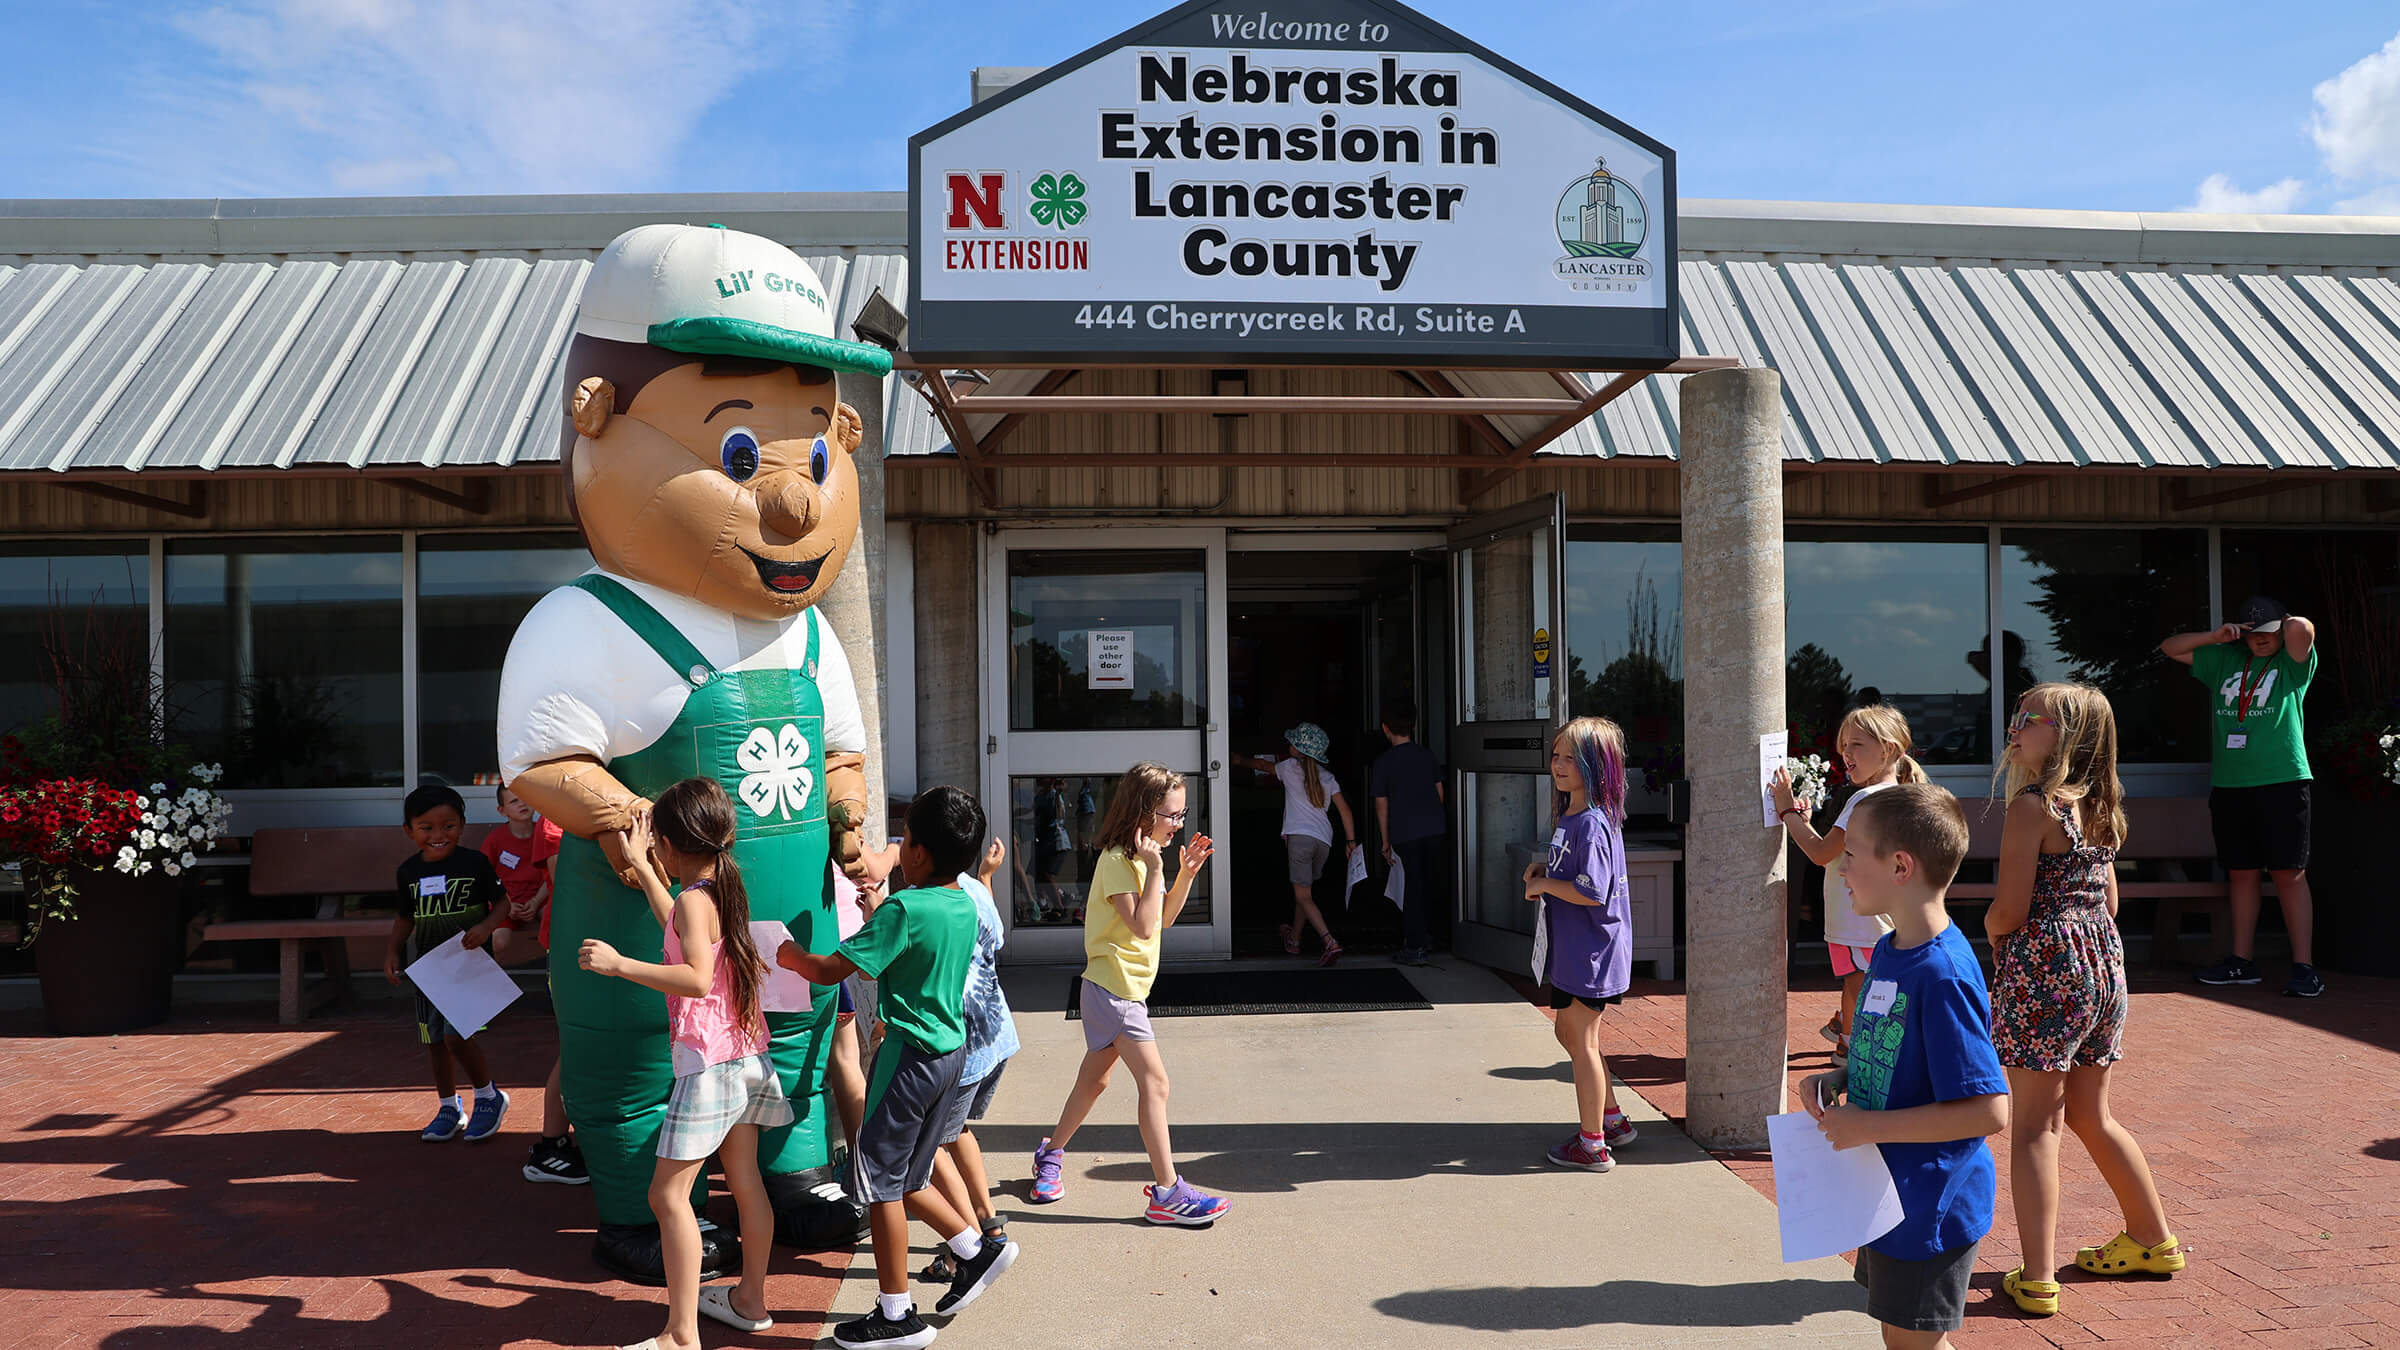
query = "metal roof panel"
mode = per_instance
[
  {"x": 362, "y": 401},
  {"x": 490, "y": 429},
  {"x": 213, "y": 412},
  {"x": 129, "y": 433},
  {"x": 59, "y": 434}
]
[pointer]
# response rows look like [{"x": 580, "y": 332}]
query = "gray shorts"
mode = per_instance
[
  {"x": 971, "y": 1101},
  {"x": 1106, "y": 1017},
  {"x": 909, "y": 1095},
  {"x": 1927, "y": 1295},
  {"x": 1306, "y": 855}
]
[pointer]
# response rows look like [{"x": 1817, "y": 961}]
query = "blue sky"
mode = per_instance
[{"x": 2109, "y": 105}]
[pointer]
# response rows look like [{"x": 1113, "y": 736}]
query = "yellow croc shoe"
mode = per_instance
[
  {"x": 2037, "y": 1297},
  {"x": 2124, "y": 1256}
]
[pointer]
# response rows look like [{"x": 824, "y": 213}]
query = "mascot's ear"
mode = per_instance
[
  {"x": 590, "y": 405},
  {"x": 848, "y": 431}
]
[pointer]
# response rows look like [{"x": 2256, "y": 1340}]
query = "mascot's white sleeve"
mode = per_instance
[
  {"x": 845, "y": 729},
  {"x": 579, "y": 682}
]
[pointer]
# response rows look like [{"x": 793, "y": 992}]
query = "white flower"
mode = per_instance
[
  {"x": 125, "y": 854},
  {"x": 189, "y": 860},
  {"x": 142, "y": 870},
  {"x": 143, "y": 803},
  {"x": 149, "y": 839},
  {"x": 183, "y": 815},
  {"x": 125, "y": 864},
  {"x": 171, "y": 869},
  {"x": 157, "y": 788},
  {"x": 197, "y": 833}
]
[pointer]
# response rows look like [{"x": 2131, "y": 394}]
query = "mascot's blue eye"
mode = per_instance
[
  {"x": 740, "y": 454},
  {"x": 820, "y": 461}
]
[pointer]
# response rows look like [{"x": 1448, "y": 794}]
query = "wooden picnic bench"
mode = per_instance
[
  {"x": 329, "y": 864},
  {"x": 2171, "y": 831}
]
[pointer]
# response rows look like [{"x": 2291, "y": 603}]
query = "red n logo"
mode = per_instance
[{"x": 979, "y": 193}]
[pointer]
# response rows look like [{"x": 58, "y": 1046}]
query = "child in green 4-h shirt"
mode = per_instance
[{"x": 2258, "y": 669}]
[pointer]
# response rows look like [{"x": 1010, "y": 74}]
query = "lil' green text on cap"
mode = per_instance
[{"x": 711, "y": 291}]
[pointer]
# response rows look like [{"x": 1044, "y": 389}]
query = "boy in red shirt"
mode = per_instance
[{"x": 523, "y": 852}]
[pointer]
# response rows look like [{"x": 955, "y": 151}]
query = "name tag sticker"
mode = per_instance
[
  {"x": 2235, "y": 740},
  {"x": 508, "y": 859},
  {"x": 1558, "y": 838},
  {"x": 1878, "y": 998},
  {"x": 433, "y": 886}
]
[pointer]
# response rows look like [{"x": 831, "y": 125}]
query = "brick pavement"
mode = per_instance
[
  {"x": 222, "y": 1180},
  {"x": 2271, "y": 1124}
]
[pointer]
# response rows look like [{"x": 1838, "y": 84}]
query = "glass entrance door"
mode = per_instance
[
  {"x": 1104, "y": 648},
  {"x": 1508, "y": 582}
]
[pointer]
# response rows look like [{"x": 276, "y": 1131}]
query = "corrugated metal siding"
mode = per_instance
[{"x": 360, "y": 362}]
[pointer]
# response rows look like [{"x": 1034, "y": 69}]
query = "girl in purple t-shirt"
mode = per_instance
[{"x": 1583, "y": 938}]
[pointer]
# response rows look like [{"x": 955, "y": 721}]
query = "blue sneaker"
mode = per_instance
[
  {"x": 489, "y": 1112},
  {"x": 1180, "y": 1204},
  {"x": 445, "y": 1124}
]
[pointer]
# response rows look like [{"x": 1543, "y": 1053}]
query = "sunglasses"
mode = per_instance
[{"x": 2027, "y": 719}]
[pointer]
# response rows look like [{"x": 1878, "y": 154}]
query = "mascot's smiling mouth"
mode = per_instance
[{"x": 787, "y": 578}]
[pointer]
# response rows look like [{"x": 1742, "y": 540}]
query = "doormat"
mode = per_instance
[{"x": 1225, "y": 993}]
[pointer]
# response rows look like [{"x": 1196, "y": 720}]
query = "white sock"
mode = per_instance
[
  {"x": 487, "y": 1092},
  {"x": 458, "y": 1103},
  {"x": 895, "y": 1307},
  {"x": 966, "y": 1244}
]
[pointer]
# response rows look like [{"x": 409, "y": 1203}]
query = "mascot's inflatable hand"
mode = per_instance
[{"x": 846, "y": 805}]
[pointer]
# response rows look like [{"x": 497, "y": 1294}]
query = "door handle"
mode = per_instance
[{"x": 1214, "y": 767}]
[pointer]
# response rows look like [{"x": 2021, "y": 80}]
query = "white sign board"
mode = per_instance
[
  {"x": 1110, "y": 663},
  {"x": 1326, "y": 181}
]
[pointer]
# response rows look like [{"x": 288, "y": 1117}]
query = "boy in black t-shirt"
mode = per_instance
[{"x": 444, "y": 891}]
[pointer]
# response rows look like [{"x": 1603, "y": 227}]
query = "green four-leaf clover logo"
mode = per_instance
[{"x": 1058, "y": 200}]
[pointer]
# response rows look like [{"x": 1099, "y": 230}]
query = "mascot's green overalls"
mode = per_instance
[{"x": 760, "y": 735}]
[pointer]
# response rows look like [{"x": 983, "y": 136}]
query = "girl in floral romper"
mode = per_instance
[{"x": 2058, "y": 1000}]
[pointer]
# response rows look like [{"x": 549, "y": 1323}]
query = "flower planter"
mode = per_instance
[{"x": 111, "y": 967}]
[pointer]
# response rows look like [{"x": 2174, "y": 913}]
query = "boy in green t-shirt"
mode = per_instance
[
  {"x": 2259, "y": 667},
  {"x": 917, "y": 947}
]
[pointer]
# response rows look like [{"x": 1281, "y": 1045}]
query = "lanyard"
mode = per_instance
[{"x": 2241, "y": 711}]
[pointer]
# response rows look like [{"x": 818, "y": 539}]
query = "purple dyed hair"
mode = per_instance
[{"x": 1598, "y": 748}]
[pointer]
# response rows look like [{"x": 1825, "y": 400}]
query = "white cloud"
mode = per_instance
[
  {"x": 2357, "y": 122},
  {"x": 2217, "y": 193},
  {"x": 308, "y": 97},
  {"x": 2383, "y": 201}
]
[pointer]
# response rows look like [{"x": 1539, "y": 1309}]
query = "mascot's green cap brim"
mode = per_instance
[{"x": 746, "y": 337}]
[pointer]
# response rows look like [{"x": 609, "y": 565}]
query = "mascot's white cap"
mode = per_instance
[{"x": 711, "y": 291}]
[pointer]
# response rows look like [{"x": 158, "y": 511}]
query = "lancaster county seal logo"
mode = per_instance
[{"x": 1602, "y": 223}]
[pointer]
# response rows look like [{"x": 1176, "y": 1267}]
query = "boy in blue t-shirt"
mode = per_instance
[{"x": 1923, "y": 1081}]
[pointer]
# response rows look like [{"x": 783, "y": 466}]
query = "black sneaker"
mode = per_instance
[
  {"x": 556, "y": 1161},
  {"x": 976, "y": 1274},
  {"x": 878, "y": 1332},
  {"x": 2305, "y": 982},
  {"x": 2231, "y": 970}
]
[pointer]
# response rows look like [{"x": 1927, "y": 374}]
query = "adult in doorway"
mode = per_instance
[
  {"x": 2260, "y": 666},
  {"x": 1309, "y": 793},
  {"x": 1411, "y": 816}
]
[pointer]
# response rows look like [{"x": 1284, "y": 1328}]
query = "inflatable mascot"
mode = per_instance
[{"x": 708, "y": 463}]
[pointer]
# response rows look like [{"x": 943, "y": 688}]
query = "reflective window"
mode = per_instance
[
  {"x": 2091, "y": 606},
  {"x": 1101, "y": 640},
  {"x": 472, "y": 592},
  {"x": 1053, "y": 846},
  {"x": 285, "y": 655},
  {"x": 1625, "y": 626},
  {"x": 1900, "y": 617},
  {"x": 1505, "y": 822},
  {"x": 1508, "y": 659},
  {"x": 2346, "y": 582},
  {"x": 87, "y": 602}
]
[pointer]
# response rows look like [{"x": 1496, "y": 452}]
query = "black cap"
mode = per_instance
[{"x": 2261, "y": 615}]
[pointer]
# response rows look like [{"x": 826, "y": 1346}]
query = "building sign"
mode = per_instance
[
  {"x": 1332, "y": 181},
  {"x": 1111, "y": 659},
  {"x": 1541, "y": 653}
]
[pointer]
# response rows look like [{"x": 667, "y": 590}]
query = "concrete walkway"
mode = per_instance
[{"x": 1388, "y": 1190}]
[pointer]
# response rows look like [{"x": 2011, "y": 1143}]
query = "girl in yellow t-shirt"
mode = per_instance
[{"x": 1131, "y": 904}]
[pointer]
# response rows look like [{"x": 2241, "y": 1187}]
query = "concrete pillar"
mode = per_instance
[
  {"x": 949, "y": 726},
  {"x": 1734, "y": 924},
  {"x": 856, "y": 597}
]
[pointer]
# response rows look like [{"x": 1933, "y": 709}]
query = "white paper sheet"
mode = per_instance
[
  {"x": 1394, "y": 888},
  {"x": 1773, "y": 749},
  {"x": 468, "y": 987},
  {"x": 1356, "y": 873},
  {"x": 1827, "y": 1202},
  {"x": 786, "y": 991}
]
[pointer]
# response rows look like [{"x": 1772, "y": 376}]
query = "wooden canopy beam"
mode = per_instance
[
  {"x": 1049, "y": 384},
  {"x": 193, "y": 507},
  {"x": 473, "y": 496},
  {"x": 1242, "y": 404},
  {"x": 2182, "y": 498},
  {"x": 1936, "y": 498},
  {"x": 934, "y": 389}
]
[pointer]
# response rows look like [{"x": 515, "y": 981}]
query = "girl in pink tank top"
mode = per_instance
[{"x": 726, "y": 1088}]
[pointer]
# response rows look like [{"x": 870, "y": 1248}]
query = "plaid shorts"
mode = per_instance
[{"x": 705, "y": 1106}]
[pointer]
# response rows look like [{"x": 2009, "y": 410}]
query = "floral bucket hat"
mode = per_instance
[{"x": 1310, "y": 739}]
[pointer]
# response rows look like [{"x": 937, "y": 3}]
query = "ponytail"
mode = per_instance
[
  {"x": 1316, "y": 785},
  {"x": 696, "y": 819},
  {"x": 1909, "y": 771}
]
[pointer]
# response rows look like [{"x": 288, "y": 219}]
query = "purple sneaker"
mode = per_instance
[
  {"x": 1618, "y": 1131},
  {"x": 1049, "y": 1180},
  {"x": 1181, "y": 1205},
  {"x": 1582, "y": 1155}
]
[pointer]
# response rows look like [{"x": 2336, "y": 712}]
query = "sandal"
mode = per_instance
[
  {"x": 2036, "y": 1297},
  {"x": 716, "y": 1301},
  {"x": 1333, "y": 953},
  {"x": 1291, "y": 939},
  {"x": 2124, "y": 1256},
  {"x": 942, "y": 1269}
]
